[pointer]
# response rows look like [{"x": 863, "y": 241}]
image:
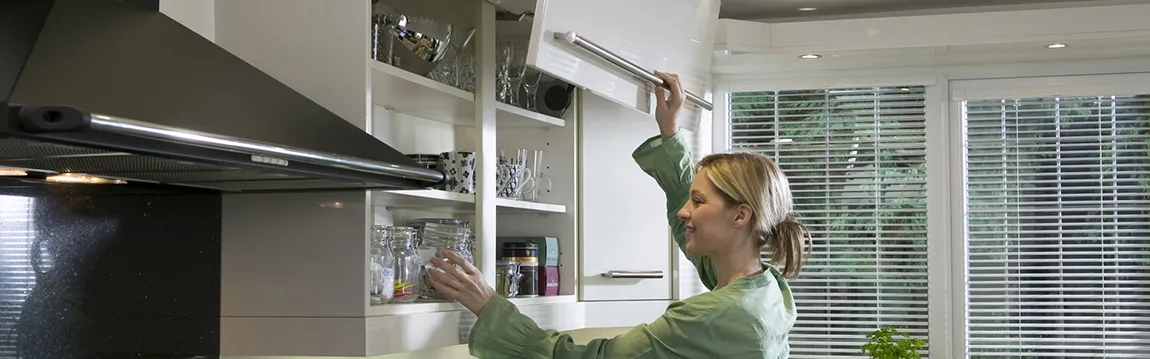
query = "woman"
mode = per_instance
[{"x": 722, "y": 213}]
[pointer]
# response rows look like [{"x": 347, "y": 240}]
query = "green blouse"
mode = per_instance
[{"x": 749, "y": 318}]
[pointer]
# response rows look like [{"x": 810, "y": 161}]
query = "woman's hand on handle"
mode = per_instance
[
  {"x": 667, "y": 105},
  {"x": 463, "y": 283}
]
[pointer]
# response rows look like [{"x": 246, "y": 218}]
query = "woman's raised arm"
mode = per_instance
[{"x": 667, "y": 159}]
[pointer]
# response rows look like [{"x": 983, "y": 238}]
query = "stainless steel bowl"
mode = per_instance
[{"x": 417, "y": 44}]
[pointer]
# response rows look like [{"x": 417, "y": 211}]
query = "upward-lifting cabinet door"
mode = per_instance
[{"x": 658, "y": 35}]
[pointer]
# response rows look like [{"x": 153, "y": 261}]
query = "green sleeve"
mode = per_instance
[
  {"x": 684, "y": 331},
  {"x": 669, "y": 163}
]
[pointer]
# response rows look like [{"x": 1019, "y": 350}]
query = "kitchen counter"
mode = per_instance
[{"x": 579, "y": 336}]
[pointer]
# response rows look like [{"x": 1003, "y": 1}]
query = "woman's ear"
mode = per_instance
[{"x": 743, "y": 214}]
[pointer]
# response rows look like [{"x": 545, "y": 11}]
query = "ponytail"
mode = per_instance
[{"x": 789, "y": 242}]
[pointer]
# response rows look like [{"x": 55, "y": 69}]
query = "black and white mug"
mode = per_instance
[{"x": 460, "y": 169}]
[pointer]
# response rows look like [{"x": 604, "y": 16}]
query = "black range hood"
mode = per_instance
[{"x": 117, "y": 89}]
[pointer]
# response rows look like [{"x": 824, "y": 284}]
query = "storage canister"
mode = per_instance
[{"x": 527, "y": 255}]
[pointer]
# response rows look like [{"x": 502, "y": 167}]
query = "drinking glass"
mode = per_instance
[
  {"x": 503, "y": 56},
  {"x": 530, "y": 87},
  {"x": 516, "y": 70}
]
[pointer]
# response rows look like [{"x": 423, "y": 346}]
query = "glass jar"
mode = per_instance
[
  {"x": 527, "y": 256},
  {"x": 408, "y": 265},
  {"x": 418, "y": 224},
  {"x": 436, "y": 238},
  {"x": 507, "y": 278},
  {"x": 382, "y": 286}
]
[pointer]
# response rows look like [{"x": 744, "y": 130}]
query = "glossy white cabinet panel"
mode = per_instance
[
  {"x": 658, "y": 35},
  {"x": 624, "y": 219},
  {"x": 622, "y": 315}
]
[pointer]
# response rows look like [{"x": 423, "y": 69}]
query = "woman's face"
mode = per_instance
[{"x": 712, "y": 224}]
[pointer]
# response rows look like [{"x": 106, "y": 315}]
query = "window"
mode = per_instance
[
  {"x": 17, "y": 279},
  {"x": 1058, "y": 227},
  {"x": 856, "y": 160}
]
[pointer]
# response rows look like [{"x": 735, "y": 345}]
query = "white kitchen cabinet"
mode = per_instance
[
  {"x": 624, "y": 313},
  {"x": 295, "y": 276},
  {"x": 624, "y": 211},
  {"x": 674, "y": 36},
  {"x": 624, "y": 223}
]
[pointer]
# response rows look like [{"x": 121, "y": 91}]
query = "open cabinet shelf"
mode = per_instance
[
  {"x": 508, "y": 116},
  {"x": 419, "y": 96},
  {"x": 437, "y": 200},
  {"x": 316, "y": 246}
]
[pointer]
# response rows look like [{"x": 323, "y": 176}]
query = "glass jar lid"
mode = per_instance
[
  {"x": 380, "y": 232},
  {"x": 403, "y": 234},
  {"x": 420, "y": 222},
  {"x": 436, "y": 234}
]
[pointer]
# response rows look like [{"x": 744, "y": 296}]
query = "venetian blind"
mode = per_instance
[
  {"x": 856, "y": 161},
  {"x": 16, "y": 274},
  {"x": 1058, "y": 227}
]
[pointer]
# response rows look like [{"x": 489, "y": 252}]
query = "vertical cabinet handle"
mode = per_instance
[{"x": 634, "y": 274}]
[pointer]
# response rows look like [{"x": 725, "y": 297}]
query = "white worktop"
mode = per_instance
[{"x": 579, "y": 336}]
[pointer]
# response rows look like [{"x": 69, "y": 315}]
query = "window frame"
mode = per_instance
[
  {"x": 948, "y": 318},
  {"x": 1022, "y": 87},
  {"x": 939, "y": 243}
]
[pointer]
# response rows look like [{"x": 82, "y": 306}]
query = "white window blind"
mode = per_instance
[
  {"x": 1058, "y": 227},
  {"x": 16, "y": 273},
  {"x": 856, "y": 160}
]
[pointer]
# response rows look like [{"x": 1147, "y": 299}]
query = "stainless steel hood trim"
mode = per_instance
[
  {"x": 270, "y": 152},
  {"x": 113, "y": 58}
]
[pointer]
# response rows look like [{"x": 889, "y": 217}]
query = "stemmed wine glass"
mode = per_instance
[
  {"x": 464, "y": 63},
  {"x": 530, "y": 87},
  {"x": 457, "y": 70}
]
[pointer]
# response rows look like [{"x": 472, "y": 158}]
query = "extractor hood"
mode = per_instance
[{"x": 116, "y": 89}]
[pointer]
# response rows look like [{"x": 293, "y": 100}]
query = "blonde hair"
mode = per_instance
[{"x": 756, "y": 181}]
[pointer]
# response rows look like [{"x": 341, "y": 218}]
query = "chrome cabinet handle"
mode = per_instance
[
  {"x": 634, "y": 274},
  {"x": 572, "y": 38}
]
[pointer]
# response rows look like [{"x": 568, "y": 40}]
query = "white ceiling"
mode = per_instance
[{"x": 826, "y": 9}]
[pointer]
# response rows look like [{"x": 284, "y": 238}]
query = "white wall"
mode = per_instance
[
  {"x": 1065, "y": 24},
  {"x": 761, "y": 50},
  {"x": 198, "y": 15}
]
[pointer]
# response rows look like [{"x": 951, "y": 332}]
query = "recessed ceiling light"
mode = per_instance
[
  {"x": 808, "y": 8},
  {"x": 1056, "y": 46},
  {"x": 810, "y": 56}
]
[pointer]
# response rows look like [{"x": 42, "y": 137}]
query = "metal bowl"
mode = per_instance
[{"x": 417, "y": 44}]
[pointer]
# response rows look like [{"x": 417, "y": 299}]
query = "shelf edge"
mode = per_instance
[
  {"x": 412, "y": 78},
  {"x": 432, "y": 307}
]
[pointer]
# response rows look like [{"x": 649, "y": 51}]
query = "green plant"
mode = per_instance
[{"x": 883, "y": 345}]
